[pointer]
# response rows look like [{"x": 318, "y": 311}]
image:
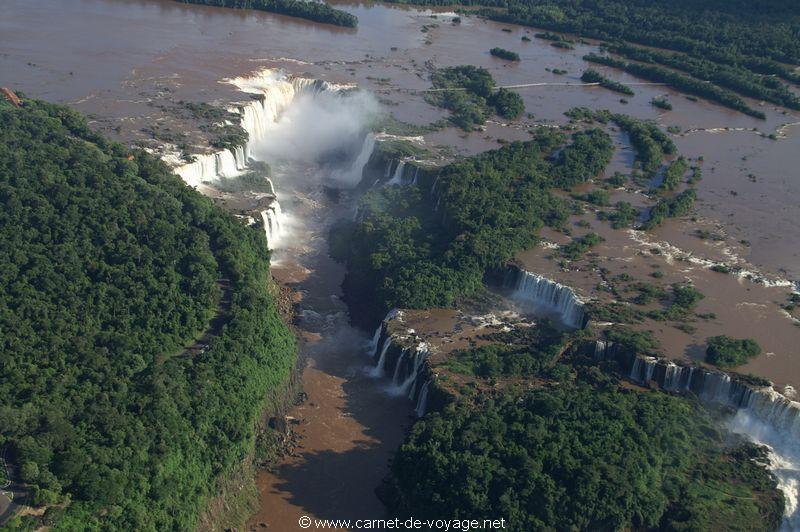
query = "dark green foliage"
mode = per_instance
[
  {"x": 586, "y": 157},
  {"x": 579, "y": 457},
  {"x": 624, "y": 215},
  {"x": 725, "y": 351},
  {"x": 507, "y": 104},
  {"x": 651, "y": 144},
  {"x": 696, "y": 177},
  {"x": 673, "y": 207},
  {"x": 597, "y": 196},
  {"x": 673, "y": 175},
  {"x": 636, "y": 341},
  {"x": 680, "y": 82},
  {"x": 471, "y": 96},
  {"x": 550, "y": 36},
  {"x": 648, "y": 293},
  {"x": 527, "y": 353},
  {"x": 661, "y": 103},
  {"x": 109, "y": 268},
  {"x": 617, "y": 180},
  {"x": 736, "y": 78},
  {"x": 415, "y": 250},
  {"x": 575, "y": 249},
  {"x": 502, "y": 53},
  {"x": 593, "y": 76},
  {"x": 310, "y": 10}
]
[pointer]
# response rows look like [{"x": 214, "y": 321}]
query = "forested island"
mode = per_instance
[
  {"x": 111, "y": 269},
  {"x": 313, "y": 10},
  {"x": 472, "y": 96},
  {"x": 717, "y": 49}
]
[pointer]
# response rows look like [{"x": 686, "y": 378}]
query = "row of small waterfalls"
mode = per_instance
[
  {"x": 401, "y": 358},
  {"x": 762, "y": 402}
]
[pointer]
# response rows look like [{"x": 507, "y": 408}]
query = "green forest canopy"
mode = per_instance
[
  {"x": 109, "y": 266},
  {"x": 470, "y": 93},
  {"x": 580, "y": 457},
  {"x": 417, "y": 249}
]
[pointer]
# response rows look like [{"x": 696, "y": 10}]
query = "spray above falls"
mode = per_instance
[{"x": 288, "y": 118}]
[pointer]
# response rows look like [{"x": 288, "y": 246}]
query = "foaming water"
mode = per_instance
[
  {"x": 784, "y": 460},
  {"x": 547, "y": 296},
  {"x": 322, "y": 126}
]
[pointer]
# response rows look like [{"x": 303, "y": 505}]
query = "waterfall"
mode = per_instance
[
  {"x": 409, "y": 373},
  {"x": 212, "y": 166},
  {"x": 413, "y": 366},
  {"x": 762, "y": 414},
  {"x": 272, "y": 219},
  {"x": 273, "y": 93},
  {"x": 416, "y": 173},
  {"x": 543, "y": 292},
  {"x": 422, "y": 400},
  {"x": 373, "y": 346},
  {"x": 784, "y": 460},
  {"x": 353, "y": 175},
  {"x": 397, "y": 177},
  {"x": 378, "y": 369},
  {"x": 398, "y": 364}
]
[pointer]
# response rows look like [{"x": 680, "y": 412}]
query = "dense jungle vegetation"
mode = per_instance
[
  {"x": 110, "y": 266},
  {"x": 652, "y": 147},
  {"x": 310, "y": 10},
  {"x": 471, "y": 95},
  {"x": 724, "y": 351},
  {"x": 420, "y": 248},
  {"x": 583, "y": 454}
]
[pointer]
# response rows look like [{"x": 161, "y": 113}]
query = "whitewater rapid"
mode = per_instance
[{"x": 273, "y": 93}]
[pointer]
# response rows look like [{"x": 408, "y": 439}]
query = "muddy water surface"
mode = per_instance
[{"x": 124, "y": 62}]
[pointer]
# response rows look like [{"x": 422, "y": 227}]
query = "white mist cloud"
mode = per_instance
[{"x": 318, "y": 125}]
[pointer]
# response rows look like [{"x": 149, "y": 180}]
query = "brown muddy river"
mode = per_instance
[{"x": 119, "y": 61}]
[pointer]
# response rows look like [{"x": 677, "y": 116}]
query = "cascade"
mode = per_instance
[
  {"x": 549, "y": 294},
  {"x": 378, "y": 370},
  {"x": 353, "y": 175},
  {"x": 375, "y": 339},
  {"x": 420, "y": 354},
  {"x": 272, "y": 219},
  {"x": 387, "y": 171},
  {"x": 408, "y": 375},
  {"x": 762, "y": 403},
  {"x": 762, "y": 414},
  {"x": 273, "y": 93},
  {"x": 422, "y": 400},
  {"x": 398, "y": 365},
  {"x": 397, "y": 176}
]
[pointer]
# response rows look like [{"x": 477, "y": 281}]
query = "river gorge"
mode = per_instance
[{"x": 313, "y": 101}]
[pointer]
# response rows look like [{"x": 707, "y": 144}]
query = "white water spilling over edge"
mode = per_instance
[
  {"x": 274, "y": 91},
  {"x": 762, "y": 414},
  {"x": 547, "y": 295}
]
